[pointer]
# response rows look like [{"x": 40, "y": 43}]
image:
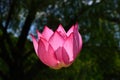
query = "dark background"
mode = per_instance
[{"x": 99, "y": 25}]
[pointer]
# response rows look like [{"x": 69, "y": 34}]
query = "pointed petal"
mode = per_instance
[
  {"x": 62, "y": 57},
  {"x": 39, "y": 34},
  {"x": 80, "y": 41},
  {"x": 65, "y": 57},
  {"x": 77, "y": 40},
  {"x": 68, "y": 46},
  {"x": 61, "y": 29},
  {"x": 79, "y": 37},
  {"x": 58, "y": 54},
  {"x": 76, "y": 46},
  {"x": 76, "y": 25},
  {"x": 56, "y": 41},
  {"x": 70, "y": 30},
  {"x": 71, "y": 45},
  {"x": 35, "y": 43},
  {"x": 46, "y": 53},
  {"x": 47, "y": 33}
]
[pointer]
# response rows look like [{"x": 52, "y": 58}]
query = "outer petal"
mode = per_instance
[
  {"x": 68, "y": 46},
  {"x": 47, "y": 33},
  {"x": 80, "y": 41},
  {"x": 65, "y": 57},
  {"x": 58, "y": 54},
  {"x": 77, "y": 40},
  {"x": 76, "y": 25},
  {"x": 35, "y": 43},
  {"x": 70, "y": 30},
  {"x": 61, "y": 31},
  {"x": 73, "y": 44},
  {"x": 56, "y": 41},
  {"x": 78, "y": 36},
  {"x": 62, "y": 56},
  {"x": 39, "y": 34},
  {"x": 46, "y": 53}
]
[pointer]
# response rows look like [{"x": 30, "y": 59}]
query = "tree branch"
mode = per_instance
[
  {"x": 5, "y": 54},
  {"x": 23, "y": 36}
]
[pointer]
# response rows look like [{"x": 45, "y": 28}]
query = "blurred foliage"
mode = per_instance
[{"x": 99, "y": 25}]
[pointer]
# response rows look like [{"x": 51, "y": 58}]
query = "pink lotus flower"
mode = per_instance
[{"x": 58, "y": 49}]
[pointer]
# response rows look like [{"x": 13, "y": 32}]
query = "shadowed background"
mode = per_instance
[{"x": 99, "y": 25}]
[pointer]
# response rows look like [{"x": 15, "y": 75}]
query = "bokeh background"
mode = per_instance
[{"x": 99, "y": 25}]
